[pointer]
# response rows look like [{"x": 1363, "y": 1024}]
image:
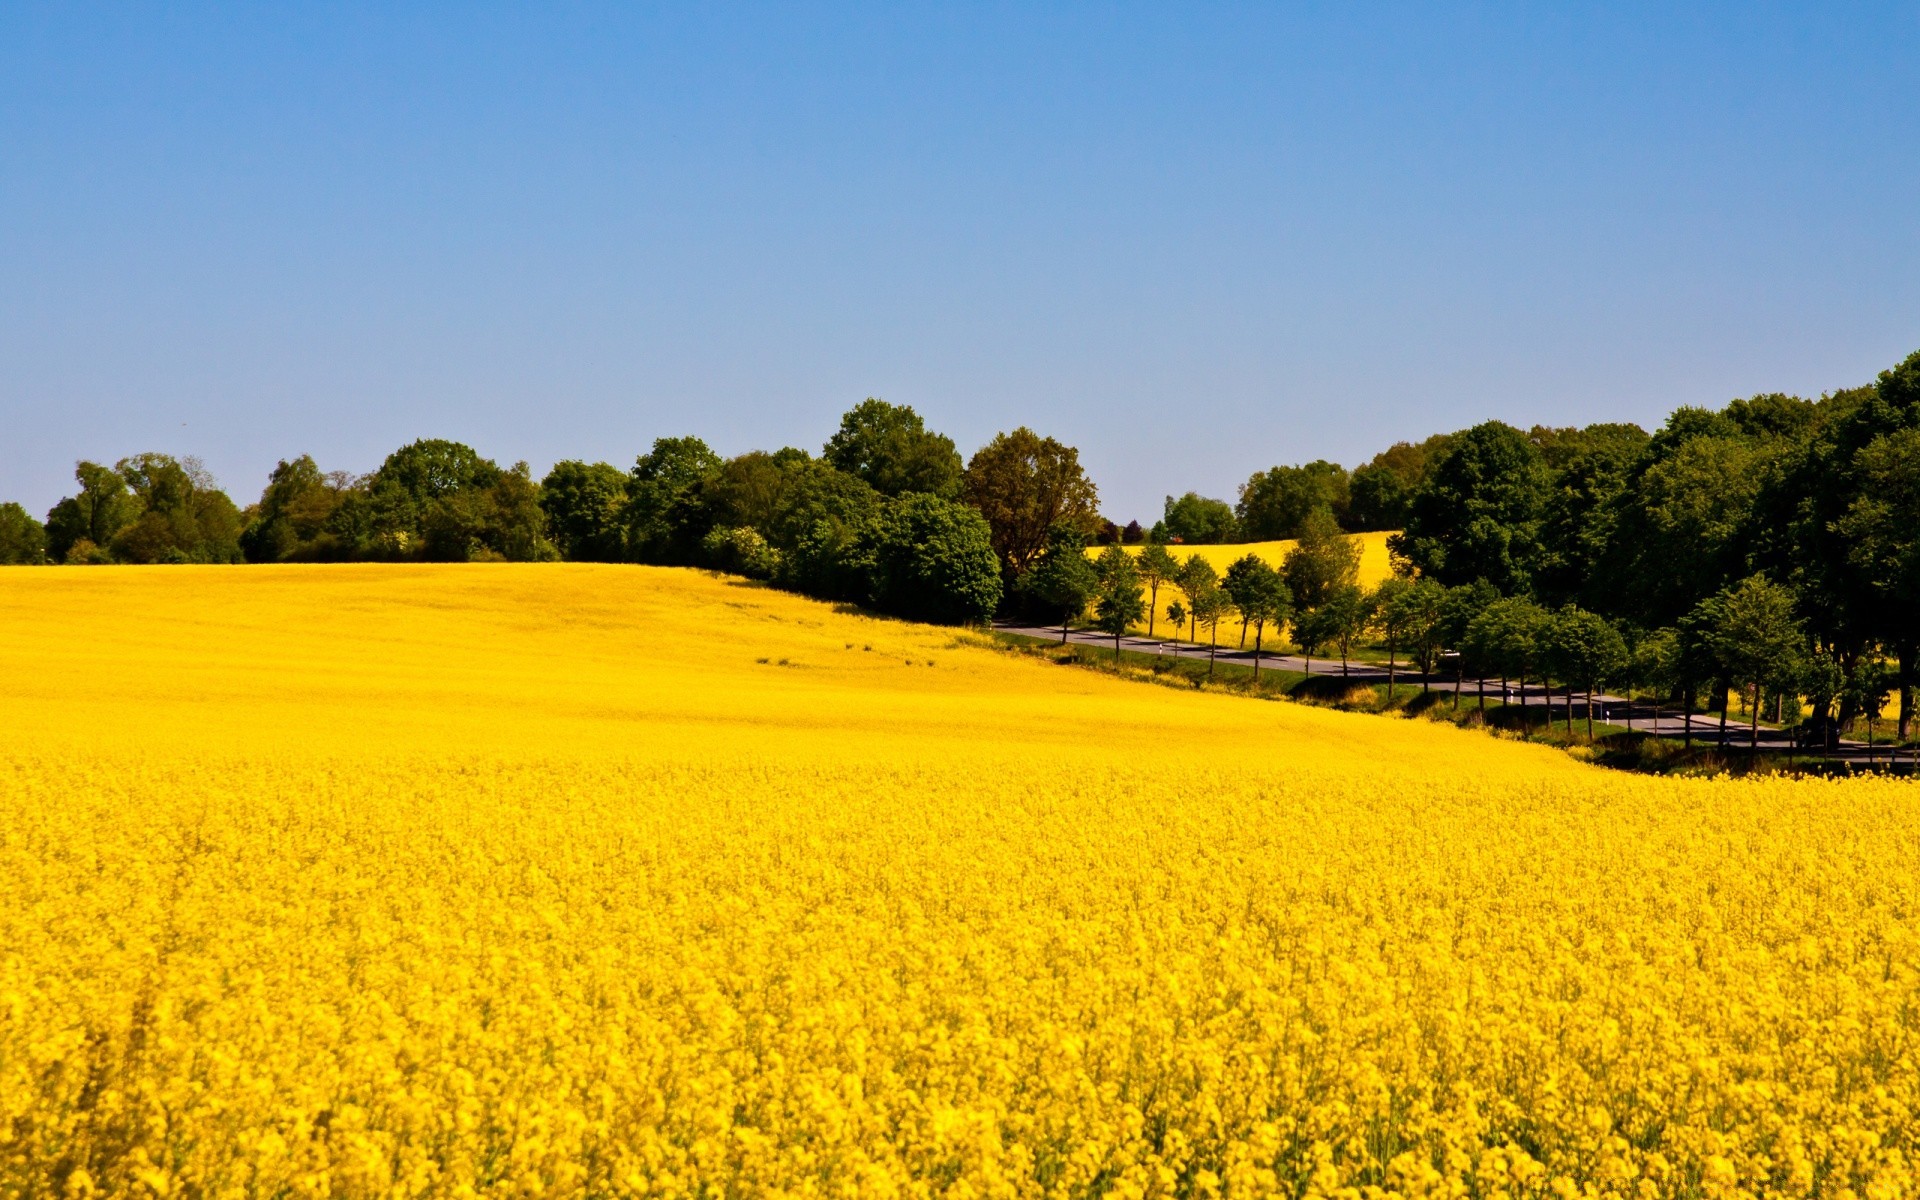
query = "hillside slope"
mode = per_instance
[{"x": 573, "y": 880}]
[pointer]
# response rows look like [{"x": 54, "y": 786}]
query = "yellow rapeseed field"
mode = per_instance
[
  {"x": 1376, "y": 564},
  {"x": 395, "y": 881}
]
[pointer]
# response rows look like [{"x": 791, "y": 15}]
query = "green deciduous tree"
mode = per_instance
[
  {"x": 1260, "y": 596},
  {"x": 664, "y": 519},
  {"x": 1117, "y": 602},
  {"x": 1064, "y": 579},
  {"x": 1275, "y": 503},
  {"x": 23, "y": 540},
  {"x": 102, "y": 508},
  {"x": 586, "y": 506},
  {"x": 1156, "y": 567},
  {"x": 890, "y": 447},
  {"x": 1194, "y": 520},
  {"x": 1758, "y": 640},
  {"x": 1321, "y": 562},
  {"x": 1026, "y": 485},
  {"x": 1196, "y": 576},
  {"x": 930, "y": 559},
  {"x": 1584, "y": 649},
  {"x": 1477, "y": 514},
  {"x": 295, "y": 518}
]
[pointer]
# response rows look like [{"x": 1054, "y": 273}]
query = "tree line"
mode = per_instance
[
  {"x": 1771, "y": 547},
  {"x": 887, "y": 515},
  {"x": 1769, "y": 550}
]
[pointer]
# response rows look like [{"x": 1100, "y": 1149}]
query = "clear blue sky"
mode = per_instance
[{"x": 1194, "y": 241}]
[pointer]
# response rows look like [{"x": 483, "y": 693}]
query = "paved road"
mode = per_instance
[{"x": 1617, "y": 710}]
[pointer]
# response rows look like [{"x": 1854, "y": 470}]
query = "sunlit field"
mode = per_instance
[
  {"x": 1376, "y": 565},
  {"x": 578, "y": 880}
]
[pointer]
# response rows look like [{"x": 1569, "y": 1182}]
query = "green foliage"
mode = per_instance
[
  {"x": 931, "y": 559},
  {"x": 1380, "y": 494},
  {"x": 1064, "y": 580},
  {"x": 1505, "y": 638},
  {"x": 1259, "y": 595},
  {"x": 892, "y": 450},
  {"x": 1583, "y": 648},
  {"x": 740, "y": 551},
  {"x": 103, "y": 507},
  {"x": 295, "y": 519},
  {"x": 1196, "y": 520},
  {"x": 585, "y": 505},
  {"x": 784, "y": 494},
  {"x": 23, "y": 540},
  {"x": 1275, "y": 503},
  {"x": 1117, "y": 601},
  {"x": 1026, "y": 486},
  {"x": 1477, "y": 515},
  {"x": 663, "y": 517},
  {"x": 1156, "y": 566},
  {"x": 1411, "y": 614},
  {"x": 1757, "y": 638},
  {"x": 1321, "y": 562},
  {"x": 442, "y": 502}
]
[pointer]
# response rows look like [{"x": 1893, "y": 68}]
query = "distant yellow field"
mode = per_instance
[
  {"x": 1375, "y": 565},
  {"x": 578, "y": 880}
]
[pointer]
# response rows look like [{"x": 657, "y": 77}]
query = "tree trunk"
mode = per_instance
[
  {"x": 1243, "y": 633},
  {"x": 1590, "y": 688},
  {"x": 1483, "y": 697},
  {"x": 1153, "y": 605},
  {"x": 1116, "y": 646},
  {"x": 1389, "y": 670},
  {"x": 1213, "y": 649},
  {"x": 1906, "y": 656},
  {"x": 1063, "y": 628},
  {"x": 1686, "y": 716},
  {"x": 1753, "y": 732},
  {"x": 1259, "y": 631}
]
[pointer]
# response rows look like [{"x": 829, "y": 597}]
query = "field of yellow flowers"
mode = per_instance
[{"x": 396, "y": 881}]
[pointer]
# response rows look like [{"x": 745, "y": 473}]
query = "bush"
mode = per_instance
[
  {"x": 741, "y": 551},
  {"x": 932, "y": 560}
]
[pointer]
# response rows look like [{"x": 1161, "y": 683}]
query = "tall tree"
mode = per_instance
[
  {"x": 930, "y": 559},
  {"x": 1881, "y": 528},
  {"x": 586, "y": 505},
  {"x": 1064, "y": 579},
  {"x": 1321, "y": 562},
  {"x": 294, "y": 518},
  {"x": 664, "y": 518},
  {"x": 891, "y": 448},
  {"x": 23, "y": 540},
  {"x": 1477, "y": 515},
  {"x": 1759, "y": 642},
  {"x": 1117, "y": 602},
  {"x": 1260, "y": 596},
  {"x": 185, "y": 518},
  {"x": 1380, "y": 493},
  {"x": 103, "y": 507},
  {"x": 1156, "y": 567},
  {"x": 1025, "y": 485},
  {"x": 1197, "y": 577},
  {"x": 1276, "y": 502},
  {"x": 1585, "y": 650},
  {"x": 1195, "y": 520}
]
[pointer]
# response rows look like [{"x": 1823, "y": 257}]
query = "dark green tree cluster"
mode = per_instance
[
  {"x": 1769, "y": 550},
  {"x": 887, "y": 515},
  {"x": 875, "y": 519},
  {"x": 150, "y": 508}
]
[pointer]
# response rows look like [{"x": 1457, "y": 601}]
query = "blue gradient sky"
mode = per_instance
[{"x": 1193, "y": 241}]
